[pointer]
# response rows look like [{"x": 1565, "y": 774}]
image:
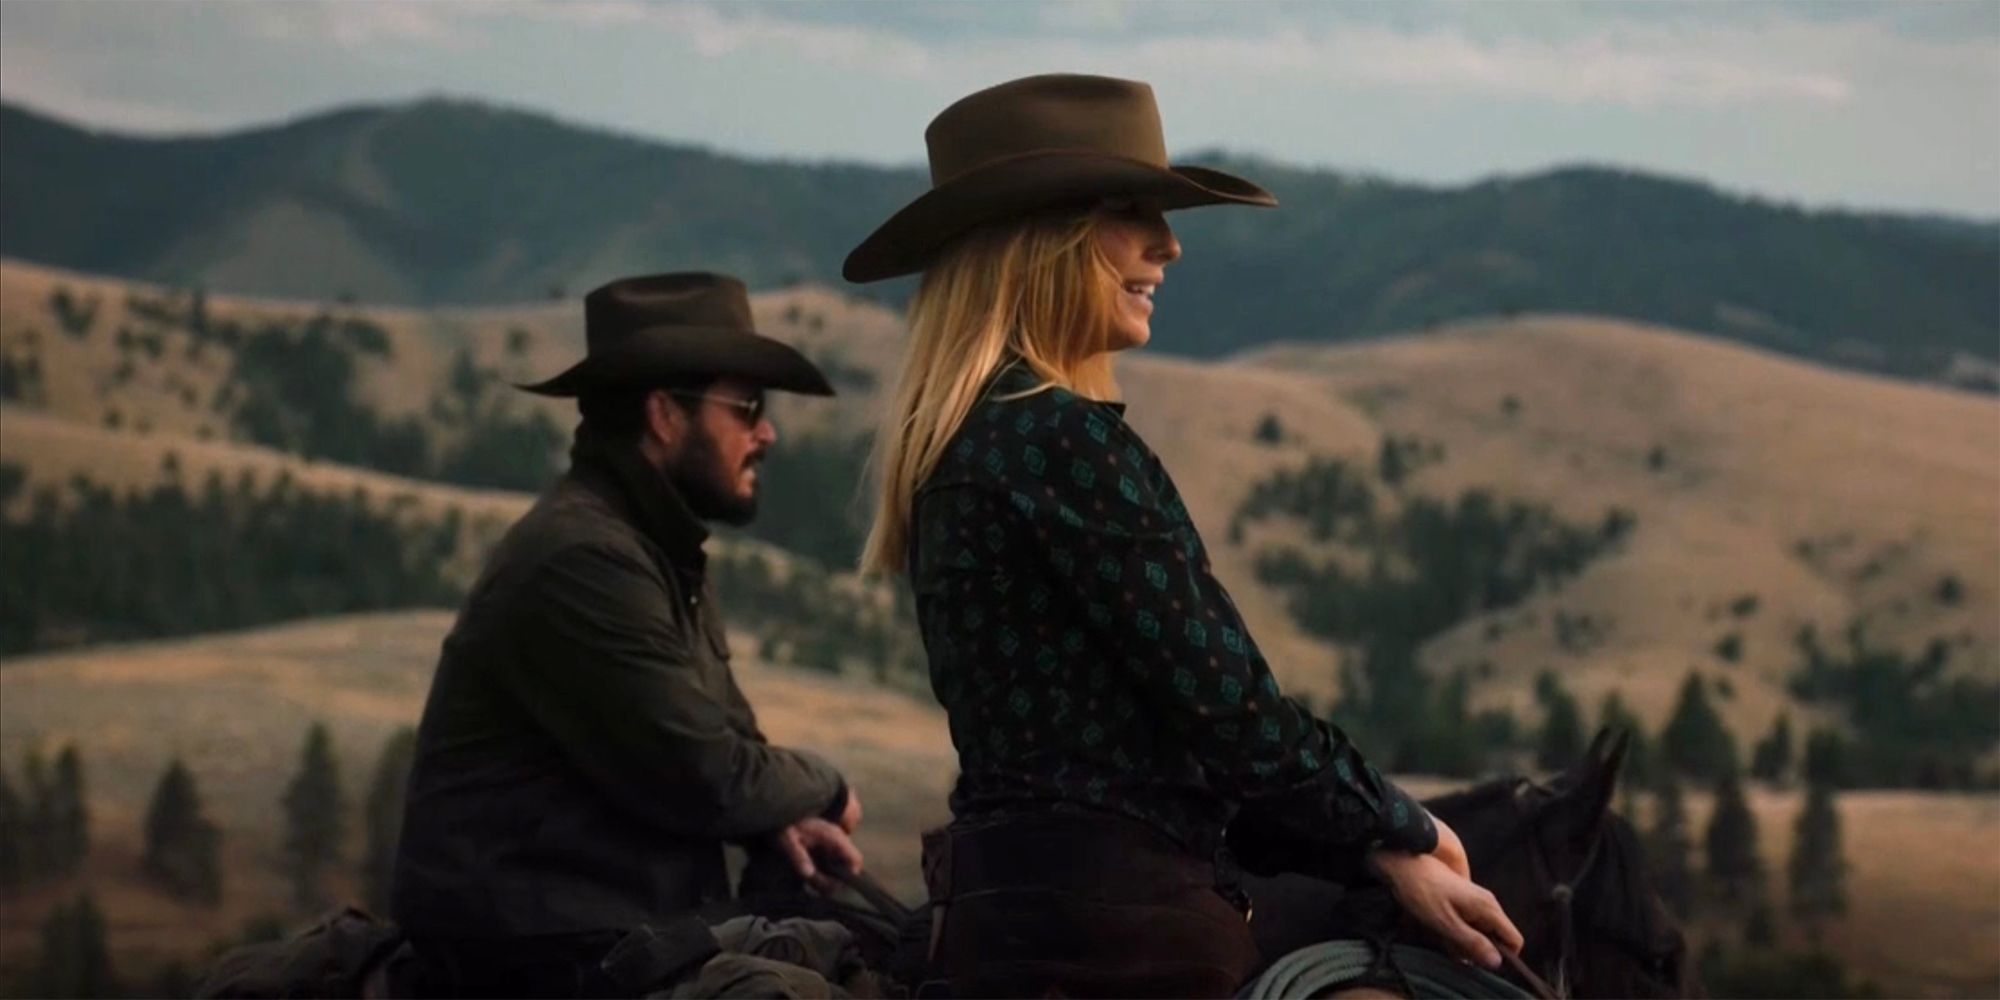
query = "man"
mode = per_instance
[{"x": 585, "y": 751}]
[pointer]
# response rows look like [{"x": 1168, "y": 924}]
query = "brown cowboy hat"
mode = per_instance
[
  {"x": 662, "y": 328},
  {"x": 1034, "y": 143}
]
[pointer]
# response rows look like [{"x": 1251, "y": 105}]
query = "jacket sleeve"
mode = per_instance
[
  {"x": 1113, "y": 530},
  {"x": 605, "y": 672}
]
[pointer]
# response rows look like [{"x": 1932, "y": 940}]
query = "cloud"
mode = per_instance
[
  {"x": 715, "y": 32},
  {"x": 1638, "y": 64},
  {"x": 358, "y": 25},
  {"x": 1637, "y": 68}
]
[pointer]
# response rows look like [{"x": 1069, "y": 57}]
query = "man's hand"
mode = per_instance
[
  {"x": 850, "y": 817},
  {"x": 1452, "y": 906},
  {"x": 812, "y": 842}
]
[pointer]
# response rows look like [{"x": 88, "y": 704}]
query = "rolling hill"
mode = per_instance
[
  {"x": 384, "y": 204},
  {"x": 1828, "y": 499},
  {"x": 235, "y": 707},
  {"x": 1764, "y": 495}
]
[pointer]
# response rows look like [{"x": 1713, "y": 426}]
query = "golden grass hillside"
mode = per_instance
[
  {"x": 1830, "y": 498},
  {"x": 236, "y": 707},
  {"x": 1924, "y": 879}
]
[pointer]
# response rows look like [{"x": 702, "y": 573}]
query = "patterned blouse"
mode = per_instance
[{"x": 1088, "y": 659}]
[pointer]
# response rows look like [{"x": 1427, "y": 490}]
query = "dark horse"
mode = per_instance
[{"x": 1567, "y": 869}]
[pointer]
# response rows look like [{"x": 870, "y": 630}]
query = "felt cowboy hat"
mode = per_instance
[
  {"x": 1035, "y": 143},
  {"x": 662, "y": 328}
]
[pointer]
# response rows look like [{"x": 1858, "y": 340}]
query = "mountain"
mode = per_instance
[{"x": 446, "y": 201}]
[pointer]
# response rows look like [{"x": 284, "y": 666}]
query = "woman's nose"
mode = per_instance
[{"x": 1164, "y": 248}]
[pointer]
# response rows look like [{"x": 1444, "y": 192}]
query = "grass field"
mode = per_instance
[{"x": 1924, "y": 879}]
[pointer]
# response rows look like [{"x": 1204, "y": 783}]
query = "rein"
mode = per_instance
[{"x": 1562, "y": 896}]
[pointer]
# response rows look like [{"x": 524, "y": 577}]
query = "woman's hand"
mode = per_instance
[
  {"x": 1458, "y": 910},
  {"x": 1450, "y": 849}
]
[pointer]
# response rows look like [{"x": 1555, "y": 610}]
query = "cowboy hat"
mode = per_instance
[
  {"x": 663, "y": 328},
  {"x": 1035, "y": 143}
]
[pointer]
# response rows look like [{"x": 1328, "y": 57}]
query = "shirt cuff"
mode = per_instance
[
  {"x": 1406, "y": 824},
  {"x": 838, "y": 806}
]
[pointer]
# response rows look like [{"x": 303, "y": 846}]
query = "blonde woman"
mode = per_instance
[{"x": 1112, "y": 715}]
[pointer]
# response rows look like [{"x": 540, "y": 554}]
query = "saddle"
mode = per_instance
[{"x": 347, "y": 952}]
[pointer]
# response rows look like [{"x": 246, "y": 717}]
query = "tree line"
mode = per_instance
[
  {"x": 44, "y": 836},
  {"x": 1420, "y": 566},
  {"x": 292, "y": 385},
  {"x": 92, "y": 564}
]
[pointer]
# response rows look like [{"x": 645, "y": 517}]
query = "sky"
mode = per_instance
[{"x": 1824, "y": 103}]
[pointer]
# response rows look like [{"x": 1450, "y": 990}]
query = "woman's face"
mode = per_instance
[{"x": 1136, "y": 240}]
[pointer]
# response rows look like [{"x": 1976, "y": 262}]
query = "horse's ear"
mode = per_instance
[
  {"x": 1590, "y": 785},
  {"x": 1596, "y": 751},
  {"x": 1578, "y": 774},
  {"x": 1614, "y": 758}
]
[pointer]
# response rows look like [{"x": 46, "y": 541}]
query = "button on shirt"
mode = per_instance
[{"x": 1089, "y": 660}]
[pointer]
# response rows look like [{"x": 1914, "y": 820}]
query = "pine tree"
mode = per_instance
[
  {"x": 1818, "y": 872},
  {"x": 1695, "y": 742},
  {"x": 69, "y": 814},
  {"x": 74, "y": 961},
  {"x": 38, "y": 849},
  {"x": 1826, "y": 759},
  {"x": 1560, "y": 742},
  {"x": 1734, "y": 870},
  {"x": 1667, "y": 848},
  {"x": 1269, "y": 431},
  {"x": 1772, "y": 757},
  {"x": 13, "y": 836},
  {"x": 384, "y": 816},
  {"x": 313, "y": 817},
  {"x": 181, "y": 844},
  {"x": 1760, "y": 928}
]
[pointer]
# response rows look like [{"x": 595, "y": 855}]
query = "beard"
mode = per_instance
[{"x": 709, "y": 489}]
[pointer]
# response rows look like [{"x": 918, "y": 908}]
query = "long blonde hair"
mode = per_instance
[{"x": 1039, "y": 288}]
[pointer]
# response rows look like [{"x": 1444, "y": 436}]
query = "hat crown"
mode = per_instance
[
  {"x": 1061, "y": 111},
  {"x": 616, "y": 310}
]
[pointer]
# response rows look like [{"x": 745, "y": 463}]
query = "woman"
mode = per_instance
[{"x": 1111, "y": 713}]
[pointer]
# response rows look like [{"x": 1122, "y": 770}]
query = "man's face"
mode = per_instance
[{"x": 715, "y": 464}]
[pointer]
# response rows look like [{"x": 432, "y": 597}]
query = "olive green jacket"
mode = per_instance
[{"x": 585, "y": 751}]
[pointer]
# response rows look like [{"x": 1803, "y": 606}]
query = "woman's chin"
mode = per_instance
[{"x": 1126, "y": 338}]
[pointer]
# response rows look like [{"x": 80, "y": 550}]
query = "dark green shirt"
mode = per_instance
[{"x": 1088, "y": 658}]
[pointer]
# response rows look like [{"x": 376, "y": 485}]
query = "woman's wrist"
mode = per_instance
[{"x": 1383, "y": 861}]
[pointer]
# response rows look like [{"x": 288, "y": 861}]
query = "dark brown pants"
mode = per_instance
[{"x": 1081, "y": 906}]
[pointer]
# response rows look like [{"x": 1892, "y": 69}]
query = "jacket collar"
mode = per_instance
[{"x": 642, "y": 496}]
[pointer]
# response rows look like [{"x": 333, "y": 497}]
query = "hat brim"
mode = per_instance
[
  {"x": 1030, "y": 182},
  {"x": 661, "y": 354}
]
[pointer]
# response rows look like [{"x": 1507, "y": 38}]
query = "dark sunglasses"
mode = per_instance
[{"x": 752, "y": 408}]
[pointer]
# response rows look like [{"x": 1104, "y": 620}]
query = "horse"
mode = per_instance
[{"x": 1567, "y": 869}]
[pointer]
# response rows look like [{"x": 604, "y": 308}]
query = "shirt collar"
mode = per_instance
[{"x": 1014, "y": 375}]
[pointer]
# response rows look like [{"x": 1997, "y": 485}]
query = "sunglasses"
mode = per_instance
[{"x": 752, "y": 408}]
